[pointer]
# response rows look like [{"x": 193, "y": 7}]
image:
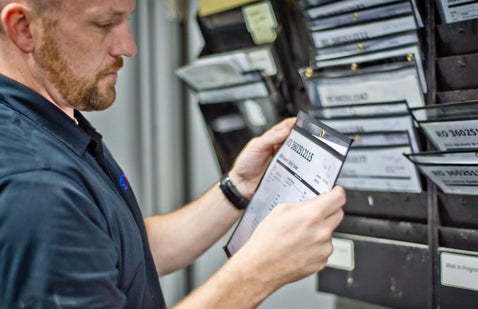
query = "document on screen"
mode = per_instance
[{"x": 306, "y": 165}]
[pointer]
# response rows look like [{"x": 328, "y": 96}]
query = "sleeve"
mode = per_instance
[{"x": 55, "y": 250}]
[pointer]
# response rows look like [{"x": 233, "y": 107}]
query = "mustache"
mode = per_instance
[{"x": 115, "y": 66}]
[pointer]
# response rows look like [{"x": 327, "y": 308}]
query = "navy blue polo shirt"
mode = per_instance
[{"x": 71, "y": 231}]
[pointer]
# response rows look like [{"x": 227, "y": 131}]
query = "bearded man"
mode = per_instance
[{"x": 71, "y": 232}]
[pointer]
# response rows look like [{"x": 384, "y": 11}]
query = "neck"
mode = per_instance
[
  {"x": 69, "y": 111},
  {"x": 23, "y": 75}
]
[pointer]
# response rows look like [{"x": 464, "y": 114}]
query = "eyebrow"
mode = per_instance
[{"x": 110, "y": 14}]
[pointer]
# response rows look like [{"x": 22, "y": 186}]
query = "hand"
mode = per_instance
[
  {"x": 295, "y": 239},
  {"x": 253, "y": 159}
]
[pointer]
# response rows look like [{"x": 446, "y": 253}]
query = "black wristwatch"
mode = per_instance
[{"x": 232, "y": 194}]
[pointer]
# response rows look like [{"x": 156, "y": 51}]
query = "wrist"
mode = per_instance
[
  {"x": 243, "y": 185},
  {"x": 230, "y": 191},
  {"x": 251, "y": 271}
]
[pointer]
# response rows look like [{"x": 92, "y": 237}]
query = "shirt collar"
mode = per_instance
[{"x": 35, "y": 107}]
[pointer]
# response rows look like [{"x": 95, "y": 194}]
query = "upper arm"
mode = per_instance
[{"x": 55, "y": 249}]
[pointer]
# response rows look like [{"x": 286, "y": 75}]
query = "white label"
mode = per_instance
[
  {"x": 458, "y": 10},
  {"x": 261, "y": 22},
  {"x": 366, "y": 46},
  {"x": 343, "y": 255},
  {"x": 453, "y": 134},
  {"x": 453, "y": 179},
  {"x": 262, "y": 60},
  {"x": 381, "y": 169},
  {"x": 383, "y": 88},
  {"x": 356, "y": 125},
  {"x": 344, "y": 35},
  {"x": 338, "y": 7},
  {"x": 458, "y": 270},
  {"x": 255, "y": 114},
  {"x": 241, "y": 92}
]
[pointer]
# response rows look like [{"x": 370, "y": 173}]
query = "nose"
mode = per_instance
[{"x": 125, "y": 44}]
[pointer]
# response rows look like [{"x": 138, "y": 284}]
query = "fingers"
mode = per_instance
[
  {"x": 331, "y": 222},
  {"x": 287, "y": 123},
  {"x": 276, "y": 135},
  {"x": 336, "y": 198},
  {"x": 301, "y": 234},
  {"x": 329, "y": 203}
]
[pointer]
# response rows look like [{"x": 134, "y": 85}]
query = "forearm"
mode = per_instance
[
  {"x": 235, "y": 285},
  {"x": 177, "y": 238}
]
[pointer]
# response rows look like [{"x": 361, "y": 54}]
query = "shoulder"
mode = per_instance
[
  {"x": 19, "y": 143},
  {"x": 41, "y": 197}
]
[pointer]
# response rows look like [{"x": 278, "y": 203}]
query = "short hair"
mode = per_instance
[
  {"x": 41, "y": 7},
  {"x": 45, "y": 7}
]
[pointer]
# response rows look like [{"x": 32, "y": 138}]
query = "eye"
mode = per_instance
[{"x": 105, "y": 26}]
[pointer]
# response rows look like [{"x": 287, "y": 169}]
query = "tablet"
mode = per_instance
[{"x": 307, "y": 164}]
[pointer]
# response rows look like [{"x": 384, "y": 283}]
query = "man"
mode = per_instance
[{"x": 71, "y": 233}]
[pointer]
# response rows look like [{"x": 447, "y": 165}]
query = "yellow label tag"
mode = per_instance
[
  {"x": 209, "y": 7},
  {"x": 261, "y": 22}
]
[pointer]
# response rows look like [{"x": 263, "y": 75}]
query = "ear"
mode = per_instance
[{"x": 15, "y": 19}]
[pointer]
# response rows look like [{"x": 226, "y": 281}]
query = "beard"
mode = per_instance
[{"x": 79, "y": 93}]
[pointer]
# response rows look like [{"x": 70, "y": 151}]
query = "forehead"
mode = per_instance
[{"x": 87, "y": 8}]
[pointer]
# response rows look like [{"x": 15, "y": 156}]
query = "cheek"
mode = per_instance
[
  {"x": 85, "y": 66},
  {"x": 85, "y": 58}
]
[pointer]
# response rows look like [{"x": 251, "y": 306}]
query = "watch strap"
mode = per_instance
[{"x": 232, "y": 194}]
